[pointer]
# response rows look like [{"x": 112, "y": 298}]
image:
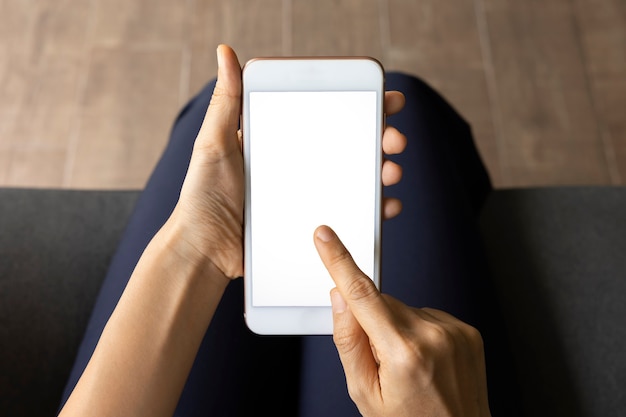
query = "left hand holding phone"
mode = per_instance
[
  {"x": 399, "y": 360},
  {"x": 210, "y": 209}
]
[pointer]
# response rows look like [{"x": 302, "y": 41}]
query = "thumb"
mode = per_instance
[
  {"x": 221, "y": 122},
  {"x": 353, "y": 346}
]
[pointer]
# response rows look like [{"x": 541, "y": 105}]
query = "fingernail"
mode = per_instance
[
  {"x": 338, "y": 303},
  {"x": 325, "y": 234},
  {"x": 219, "y": 56}
]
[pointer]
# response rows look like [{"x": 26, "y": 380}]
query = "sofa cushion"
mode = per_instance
[
  {"x": 558, "y": 257},
  {"x": 55, "y": 246}
]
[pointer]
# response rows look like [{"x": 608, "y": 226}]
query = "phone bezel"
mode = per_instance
[{"x": 307, "y": 74}]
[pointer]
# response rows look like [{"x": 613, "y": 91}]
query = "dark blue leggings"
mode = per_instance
[{"x": 432, "y": 256}]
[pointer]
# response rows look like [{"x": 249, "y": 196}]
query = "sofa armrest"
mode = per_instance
[
  {"x": 55, "y": 246},
  {"x": 558, "y": 257}
]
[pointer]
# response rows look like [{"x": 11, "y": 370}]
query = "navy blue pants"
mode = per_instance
[{"x": 432, "y": 256}]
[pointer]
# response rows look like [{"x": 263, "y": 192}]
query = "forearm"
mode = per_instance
[{"x": 149, "y": 344}]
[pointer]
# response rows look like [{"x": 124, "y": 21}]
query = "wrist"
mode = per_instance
[
  {"x": 183, "y": 255},
  {"x": 206, "y": 235}
]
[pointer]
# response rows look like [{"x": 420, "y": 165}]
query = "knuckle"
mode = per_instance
[
  {"x": 360, "y": 288},
  {"x": 357, "y": 285},
  {"x": 472, "y": 333},
  {"x": 419, "y": 356},
  {"x": 221, "y": 92},
  {"x": 439, "y": 337},
  {"x": 341, "y": 258},
  {"x": 474, "y": 338}
]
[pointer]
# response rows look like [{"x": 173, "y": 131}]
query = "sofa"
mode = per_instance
[{"x": 557, "y": 255}]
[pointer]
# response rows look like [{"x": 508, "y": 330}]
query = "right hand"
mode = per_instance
[{"x": 398, "y": 360}]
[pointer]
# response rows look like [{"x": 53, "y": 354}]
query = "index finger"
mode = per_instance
[{"x": 357, "y": 289}]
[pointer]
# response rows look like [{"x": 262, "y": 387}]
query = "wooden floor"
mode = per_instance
[{"x": 89, "y": 88}]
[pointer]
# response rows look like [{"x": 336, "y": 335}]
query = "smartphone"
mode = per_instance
[{"x": 312, "y": 132}]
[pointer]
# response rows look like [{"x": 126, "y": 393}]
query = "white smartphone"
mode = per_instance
[{"x": 312, "y": 131}]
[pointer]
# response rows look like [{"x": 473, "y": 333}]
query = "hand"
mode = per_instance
[
  {"x": 210, "y": 209},
  {"x": 400, "y": 361}
]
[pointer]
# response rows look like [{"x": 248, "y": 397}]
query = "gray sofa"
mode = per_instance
[{"x": 558, "y": 257}]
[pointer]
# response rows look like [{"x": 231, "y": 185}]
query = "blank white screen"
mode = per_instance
[{"x": 313, "y": 161}]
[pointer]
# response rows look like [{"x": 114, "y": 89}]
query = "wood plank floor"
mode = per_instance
[{"x": 89, "y": 88}]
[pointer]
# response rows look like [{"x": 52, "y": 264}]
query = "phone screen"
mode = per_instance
[{"x": 312, "y": 161}]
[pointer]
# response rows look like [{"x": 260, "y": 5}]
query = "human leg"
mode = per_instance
[{"x": 432, "y": 252}]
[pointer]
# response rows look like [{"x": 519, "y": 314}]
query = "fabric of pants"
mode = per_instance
[{"x": 431, "y": 257}]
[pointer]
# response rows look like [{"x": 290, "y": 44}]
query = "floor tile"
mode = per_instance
[
  {"x": 542, "y": 100},
  {"x": 130, "y": 103},
  {"x": 36, "y": 167},
  {"x": 156, "y": 23},
  {"x": 328, "y": 27},
  {"x": 543, "y": 84},
  {"x": 118, "y": 150}
]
